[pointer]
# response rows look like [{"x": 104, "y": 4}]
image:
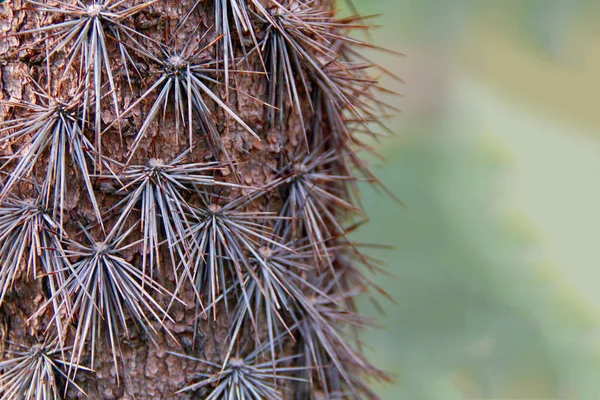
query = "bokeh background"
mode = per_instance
[{"x": 497, "y": 159}]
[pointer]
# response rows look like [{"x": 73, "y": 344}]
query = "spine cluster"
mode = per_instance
[{"x": 181, "y": 177}]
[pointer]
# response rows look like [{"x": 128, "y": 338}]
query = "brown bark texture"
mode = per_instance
[{"x": 178, "y": 182}]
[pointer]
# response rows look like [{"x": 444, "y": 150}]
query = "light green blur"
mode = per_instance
[{"x": 497, "y": 159}]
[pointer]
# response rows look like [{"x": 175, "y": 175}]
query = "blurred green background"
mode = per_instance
[{"x": 497, "y": 159}]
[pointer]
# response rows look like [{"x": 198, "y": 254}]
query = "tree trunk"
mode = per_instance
[{"x": 178, "y": 179}]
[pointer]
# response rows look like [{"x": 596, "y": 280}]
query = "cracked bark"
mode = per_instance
[{"x": 147, "y": 371}]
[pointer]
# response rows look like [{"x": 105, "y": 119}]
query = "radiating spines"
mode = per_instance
[
  {"x": 283, "y": 50},
  {"x": 234, "y": 16},
  {"x": 158, "y": 194},
  {"x": 181, "y": 84},
  {"x": 281, "y": 271},
  {"x": 323, "y": 346},
  {"x": 225, "y": 237},
  {"x": 297, "y": 49},
  {"x": 83, "y": 36},
  {"x": 351, "y": 128},
  {"x": 357, "y": 269},
  {"x": 36, "y": 372},
  {"x": 311, "y": 59},
  {"x": 107, "y": 292},
  {"x": 353, "y": 80},
  {"x": 22, "y": 226},
  {"x": 50, "y": 127},
  {"x": 246, "y": 376},
  {"x": 316, "y": 198},
  {"x": 233, "y": 19},
  {"x": 272, "y": 289},
  {"x": 30, "y": 248},
  {"x": 367, "y": 113}
]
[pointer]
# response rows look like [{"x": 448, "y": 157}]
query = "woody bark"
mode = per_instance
[{"x": 150, "y": 364}]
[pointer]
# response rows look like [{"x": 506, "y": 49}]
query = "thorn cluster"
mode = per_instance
[{"x": 176, "y": 171}]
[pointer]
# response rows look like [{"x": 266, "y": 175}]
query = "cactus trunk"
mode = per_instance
[{"x": 178, "y": 183}]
